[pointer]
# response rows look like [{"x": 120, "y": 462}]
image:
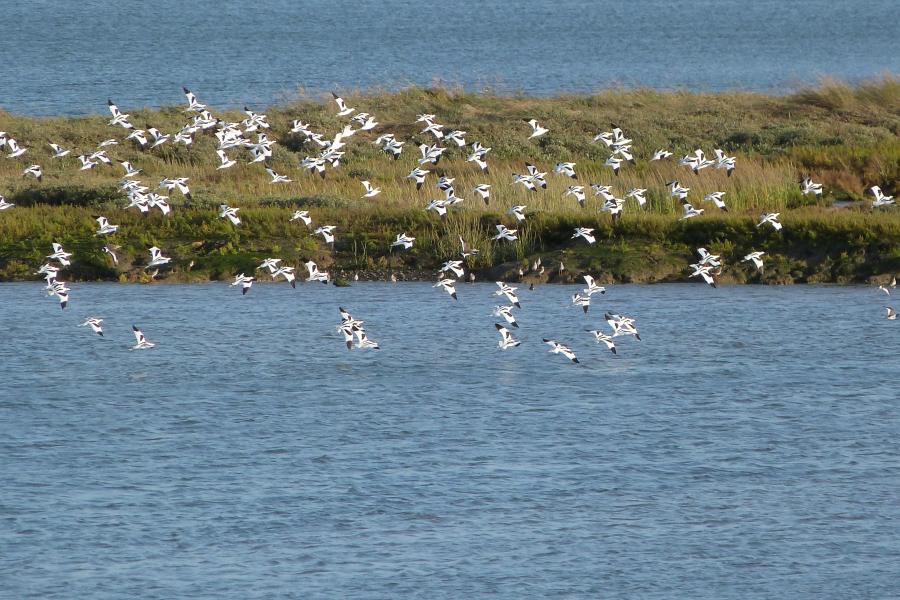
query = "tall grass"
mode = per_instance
[{"x": 845, "y": 136}]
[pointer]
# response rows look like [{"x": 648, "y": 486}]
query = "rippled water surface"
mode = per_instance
[
  {"x": 68, "y": 57},
  {"x": 746, "y": 448}
]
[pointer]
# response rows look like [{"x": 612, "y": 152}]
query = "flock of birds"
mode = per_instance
[{"x": 235, "y": 137}]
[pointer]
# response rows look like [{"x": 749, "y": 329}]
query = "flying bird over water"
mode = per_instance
[
  {"x": 756, "y": 259},
  {"x": 557, "y": 348},
  {"x": 96, "y": 325},
  {"x": 244, "y": 281},
  {"x": 157, "y": 258},
  {"x": 142, "y": 343},
  {"x": 506, "y": 338},
  {"x": 448, "y": 285}
]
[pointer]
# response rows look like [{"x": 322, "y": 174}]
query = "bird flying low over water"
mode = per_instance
[
  {"x": 557, "y": 348},
  {"x": 142, "y": 342},
  {"x": 60, "y": 255},
  {"x": 602, "y": 338},
  {"x": 583, "y": 301},
  {"x": 96, "y": 325},
  {"x": 506, "y": 338},
  {"x": 244, "y": 281},
  {"x": 505, "y": 311},
  {"x": 622, "y": 325},
  {"x": 509, "y": 292},
  {"x": 891, "y": 314},
  {"x": 314, "y": 273},
  {"x": 448, "y": 285}
]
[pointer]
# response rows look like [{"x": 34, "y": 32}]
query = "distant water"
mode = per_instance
[
  {"x": 746, "y": 448},
  {"x": 68, "y": 57}
]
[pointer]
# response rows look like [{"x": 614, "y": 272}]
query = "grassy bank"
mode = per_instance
[{"x": 846, "y": 137}]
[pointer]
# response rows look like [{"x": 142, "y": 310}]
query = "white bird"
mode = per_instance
[
  {"x": 557, "y": 348},
  {"x": 15, "y": 150},
  {"x": 880, "y": 198},
  {"x": 891, "y": 314},
  {"x": 87, "y": 163},
  {"x": 454, "y": 266},
  {"x": 343, "y": 109},
  {"x": 403, "y": 240},
  {"x": 637, "y": 194},
  {"x": 602, "y": 338},
  {"x": 592, "y": 287},
  {"x": 505, "y": 311},
  {"x": 690, "y": 212},
  {"x": 371, "y": 190},
  {"x": 104, "y": 227},
  {"x": 276, "y": 178},
  {"x": 96, "y": 325},
  {"x": 418, "y": 175},
  {"x": 808, "y": 186},
  {"x": 678, "y": 190},
  {"x": 157, "y": 258},
  {"x": 314, "y": 273},
  {"x": 518, "y": 212},
  {"x": 506, "y": 338},
  {"x": 577, "y": 191},
  {"x": 35, "y": 171},
  {"x": 756, "y": 259},
  {"x": 193, "y": 104},
  {"x": 603, "y": 190},
  {"x": 230, "y": 213},
  {"x": 118, "y": 117},
  {"x": 506, "y": 234},
  {"x": 130, "y": 170},
  {"x": 771, "y": 219},
  {"x": 159, "y": 137},
  {"x": 270, "y": 263},
  {"x": 327, "y": 233},
  {"x": 724, "y": 162},
  {"x": 302, "y": 215},
  {"x": 584, "y": 232},
  {"x": 4, "y": 204},
  {"x": 622, "y": 325},
  {"x": 708, "y": 259},
  {"x": 142, "y": 343},
  {"x": 582, "y": 301},
  {"x": 288, "y": 274},
  {"x": 244, "y": 281},
  {"x": 179, "y": 183},
  {"x": 59, "y": 151},
  {"x": 716, "y": 198},
  {"x": 536, "y": 129},
  {"x": 660, "y": 154},
  {"x": 614, "y": 162},
  {"x": 448, "y": 285},
  {"x": 439, "y": 206},
  {"x": 509, "y": 292},
  {"x": 224, "y": 161},
  {"x": 566, "y": 168},
  {"x": 704, "y": 271},
  {"x": 881, "y": 288},
  {"x": 60, "y": 255}
]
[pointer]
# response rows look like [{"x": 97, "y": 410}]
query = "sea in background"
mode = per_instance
[
  {"x": 747, "y": 447},
  {"x": 66, "y": 58}
]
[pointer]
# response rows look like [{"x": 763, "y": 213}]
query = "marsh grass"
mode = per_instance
[{"x": 846, "y": 136}]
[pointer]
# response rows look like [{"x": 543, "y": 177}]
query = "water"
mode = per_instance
[
  {"x": 746, "y": 448},
  {"x": 68, "y": 57}
]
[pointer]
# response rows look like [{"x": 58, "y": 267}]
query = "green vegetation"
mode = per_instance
[{"x": 846, "y": 137}]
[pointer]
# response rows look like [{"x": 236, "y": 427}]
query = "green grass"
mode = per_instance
[{"x": 846, "y": 137}]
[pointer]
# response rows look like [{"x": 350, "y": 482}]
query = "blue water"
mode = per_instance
[
  {"x": 746, "y": 448},
  {"x": 68, "y": 57}
]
